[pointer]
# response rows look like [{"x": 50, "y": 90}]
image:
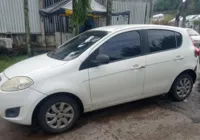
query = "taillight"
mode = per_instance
[{"x": 196, "y": 49}]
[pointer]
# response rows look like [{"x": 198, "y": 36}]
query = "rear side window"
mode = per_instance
[
  {"x": 178, "y": 39},
  {"x": 161, "y": 40}
]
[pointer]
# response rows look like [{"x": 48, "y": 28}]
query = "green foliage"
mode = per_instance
[
  {"x": 197, "y": 22},
  {"x": 81, "y": 8},
  {"x": 197, "y": 6},
  {"x": 168, "y": 5},
  {"x": 169, "y": 17},
  {"x": 6, "y": 61}
]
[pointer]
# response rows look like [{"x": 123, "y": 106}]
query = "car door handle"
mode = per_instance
[
  {"x": 138, "y": 67},
  {"x": 178, "y": 58}
]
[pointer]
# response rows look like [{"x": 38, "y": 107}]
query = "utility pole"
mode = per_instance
[
  {"x": 27, "y": 28},
  {"x": 184, "y": 12},
  {"x": 42, "y": 26},
  {"x": 109, "y": 12},
  {"x": 151, "y": 11},
  {"x": 178, "y": 14}
]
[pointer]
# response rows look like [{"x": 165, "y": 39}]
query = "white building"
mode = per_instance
[{"x": 45, "y": 29}]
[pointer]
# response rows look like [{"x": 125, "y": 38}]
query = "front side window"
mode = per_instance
[
  {"x": 77, "y": 46},
  {"x": 161, "y": 40},
  {"x": 122, "y": 46}
]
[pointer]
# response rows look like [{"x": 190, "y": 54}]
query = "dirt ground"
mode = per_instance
[{"x": 150, "y": 119}]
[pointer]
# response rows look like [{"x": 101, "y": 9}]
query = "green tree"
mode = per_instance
[
  {"x": 197, "y": 6},
  {"x": 81, "y": 9},
  {"x": 166, "y": 5}
]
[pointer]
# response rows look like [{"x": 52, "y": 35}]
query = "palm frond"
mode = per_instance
[{"x": 81, "y": 8}]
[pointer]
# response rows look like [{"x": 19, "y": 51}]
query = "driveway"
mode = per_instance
[{"x": 150, "y": 119}]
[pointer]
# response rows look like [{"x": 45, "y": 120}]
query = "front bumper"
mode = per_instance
[{"x": 26, "y": 100}]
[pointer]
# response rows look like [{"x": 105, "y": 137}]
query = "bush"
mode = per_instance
[
  {"x": 162, "y": 22},
  {"x": 3, "y": 51}
]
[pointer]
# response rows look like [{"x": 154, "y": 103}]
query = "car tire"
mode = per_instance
[
  {"x": 58, "y": 114},
  {"x": 182, "y": 87}
]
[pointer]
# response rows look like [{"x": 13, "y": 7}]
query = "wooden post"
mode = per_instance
[
  {"x": 76, "y": 26},
  {"x": 27, "y": 28},
  {"x": 109, "y": 13},
  {"x": 178, "y": 14},
  {"x": 184, "y": 13},
  {"x": 129, "y": 17},
  {"x": 151, "y": 11},
  {"x": 42, "y": 26}
]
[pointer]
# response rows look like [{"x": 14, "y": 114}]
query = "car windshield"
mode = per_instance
[
  {"x": 192, "y": 32},
  {"x": 77, "y": 46}
]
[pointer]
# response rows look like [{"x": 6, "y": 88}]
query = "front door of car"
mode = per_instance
[{"x": 123, "y": 77}]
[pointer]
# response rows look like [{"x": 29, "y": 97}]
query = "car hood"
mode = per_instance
[{"x": 32, "y": 65}]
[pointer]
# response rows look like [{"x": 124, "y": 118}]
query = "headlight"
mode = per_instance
[{"x": 17, "y": 83}]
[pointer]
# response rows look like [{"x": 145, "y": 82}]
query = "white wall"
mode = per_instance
[{"x": 12, "y": 16}]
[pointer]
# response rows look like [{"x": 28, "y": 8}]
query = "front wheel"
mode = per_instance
[
  {"x": 182, "y": 87},
  {"x": 58, "y": 114}
]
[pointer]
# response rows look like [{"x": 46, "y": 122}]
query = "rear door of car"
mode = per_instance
[{"x": 162, "y": 60}]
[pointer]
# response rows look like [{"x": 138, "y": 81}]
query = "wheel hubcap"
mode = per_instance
[
  {"x": 184, "y": 87},
  {"x": 59, "y": 115}
]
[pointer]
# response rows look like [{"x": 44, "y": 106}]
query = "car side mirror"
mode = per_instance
[{"x": 101, "y": 59}]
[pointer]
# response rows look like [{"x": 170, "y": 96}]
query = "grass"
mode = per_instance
[
  {"x": 6, "y": 61},
  {"x": 169, "y": 17}
]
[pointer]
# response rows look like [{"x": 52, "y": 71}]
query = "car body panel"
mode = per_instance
[
  {"x": 32, "y": 65},
  {"x": 26, "y": 99},
  {"x": 163, "y": 67},
  {"x": 121, "y": 80}
]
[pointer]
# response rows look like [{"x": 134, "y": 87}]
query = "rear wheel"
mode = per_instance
[
  {"x": 182, "y": 87},
  {"x": 58, "y": 114}
]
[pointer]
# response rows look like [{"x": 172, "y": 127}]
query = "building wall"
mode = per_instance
[
  {"x": 12, "y": 19},
  {"x": 140, "y": 11},
  {"x": 12, "y": 16}
]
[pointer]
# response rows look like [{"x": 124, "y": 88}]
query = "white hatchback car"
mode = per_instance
[{"x": 99, "y": 68}]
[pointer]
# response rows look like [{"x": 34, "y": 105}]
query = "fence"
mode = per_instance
[{"x": 55, "y": 23}]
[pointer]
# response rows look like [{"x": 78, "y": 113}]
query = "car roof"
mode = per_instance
[
  {"x": 188, "y": 29},
  {"x": 115, "y": 28}
]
